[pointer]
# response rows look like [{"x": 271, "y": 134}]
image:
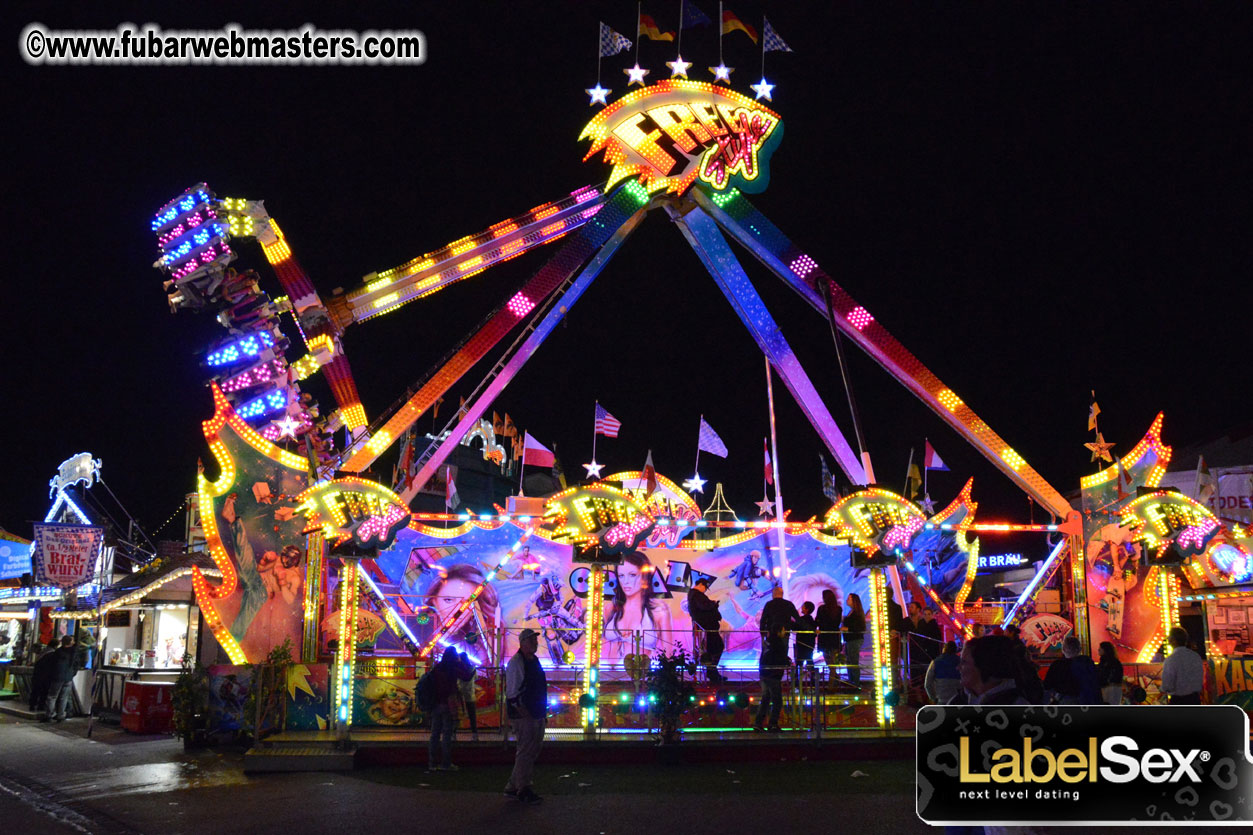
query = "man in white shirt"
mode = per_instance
[
  {"x": 1183, "y": 672},
  {"x": 526, "y": 693}
]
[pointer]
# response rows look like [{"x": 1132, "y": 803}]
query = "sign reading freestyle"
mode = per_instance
[
  {"x": 1030, "y": 765},
  {"x": 65, "y": 555}
]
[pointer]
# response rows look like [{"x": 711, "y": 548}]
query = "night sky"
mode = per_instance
[{"x": 1036, "y": 199}]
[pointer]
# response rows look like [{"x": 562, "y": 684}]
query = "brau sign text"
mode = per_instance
[{"x": 65, "y": 555}]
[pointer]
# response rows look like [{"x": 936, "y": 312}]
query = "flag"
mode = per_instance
[
  {"x": 913, "y": 477},
  {"x": 931, "y": 460},
  {"x": 707, "y": 440},
  {"x": 692, "y": 16},
  {"x": 828, "y": 480},
  {"x": 650, "y": 475},
  {"x": 1206, "y": 484},
  {"x": 510, "y": 431},
  {"x": 770, "y": 41},
  {"x": 606, "y": 424},
  {"x": 648, "y": 29},
  {"x": 1093, "y": 411},
  {"x": 461, "y": 410},
  {"x": 498, "y": 425},
  {"x": 558, "y": 472},
  {"x": 730, "y": 23},
  {"x": 401, "y": 476},
  {"x": 611, "y": 42},
  {"x": 435, "y": 408},
  {"x": 769, "y": 472},
  {"x": 1122, "y": 484},
  {"x": 535, "y": 453},
  {"x": 451, "y": 499}
]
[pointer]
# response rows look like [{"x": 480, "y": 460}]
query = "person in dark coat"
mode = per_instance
[
  {"x": 778, "y": 613},
  {"x": 706, "y": 616},
  {"x": 774, "y": 661},
  {"x": 41, "y": 676},
  {"x": 447, "y": 673},
  {"x": 806, "y": 627},
  {"x": 60, "y": 686}
]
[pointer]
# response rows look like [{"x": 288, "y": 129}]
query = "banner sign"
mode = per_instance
[
  {"x": 1029, "y": 765},
  {"x": 65, "y": 555},
  {"x": 14, "y": 559}
]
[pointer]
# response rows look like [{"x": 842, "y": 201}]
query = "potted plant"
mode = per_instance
[
  {"x": 191, "y": 706},
  {"x": 669, "y": 692}
]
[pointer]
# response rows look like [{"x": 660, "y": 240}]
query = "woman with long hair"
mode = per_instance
[
  {"x": 854, "y": 635},
  {"x": 446, "y": 595},
  {"x": 1109, "y": 673},
  {"x": 828, "y": 619},
  {"x": 634, "y": 608}
]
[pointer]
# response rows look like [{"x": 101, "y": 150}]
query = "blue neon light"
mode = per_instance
[
  {"x": 249, "y": 346},
  {"x": 179, "y": 206},
  {"x": 263, "y": 404},
  {"x": 1035, "y": 581}
]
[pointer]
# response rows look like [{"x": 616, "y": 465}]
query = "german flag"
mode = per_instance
[
  {"x": 730, "y": 23},
  {"x": 648, "y": 29}
]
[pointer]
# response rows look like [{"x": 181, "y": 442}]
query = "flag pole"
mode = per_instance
[
  {"x": 926, "y": 441},
  {"x": 778, "y": 488},
  {"x": 678, "y": 46},
  {"x": 522, "y": 466},
  {"x": 1196, "y": 488},
  {"x": 637, "y": 56},
  {"x": 720, "y": 61},
  {"x": 598, "y": 51},
  {"x": 763, "y": 46},
  {"x": 595, "y": 408},
  {"x": 696, "y": 469},
  {"x": 908, "y": 469}
]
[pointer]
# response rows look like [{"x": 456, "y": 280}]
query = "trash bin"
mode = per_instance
[{"x": 148, "y": 707}]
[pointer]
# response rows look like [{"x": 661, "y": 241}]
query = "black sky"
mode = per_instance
[{"x": 1036, "y": 199}]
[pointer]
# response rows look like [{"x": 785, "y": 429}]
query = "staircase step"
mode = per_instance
[{"x": 298, "y": 758}]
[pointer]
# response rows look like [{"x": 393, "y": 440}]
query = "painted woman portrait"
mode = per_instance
[
  {"x": 481, "y": 619},
  {"x": 635, "y": 608}
]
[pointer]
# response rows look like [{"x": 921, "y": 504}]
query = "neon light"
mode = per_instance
[
  {"x": 247, "y": 346},
  {"x": 356, "y": 508},
  {"x": 880, "y": 638},
  {"x": 858, "y": 317},
  {"x": 1045, "y": 568},
  {"x": 520, "y": 304}
]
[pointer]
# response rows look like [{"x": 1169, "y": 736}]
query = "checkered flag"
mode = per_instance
[
  {"x": 611, "y": 42},
  {"x": 770, "y": 42}
]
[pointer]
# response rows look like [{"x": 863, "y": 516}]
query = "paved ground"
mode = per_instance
[{"x": 54, "y": 780}]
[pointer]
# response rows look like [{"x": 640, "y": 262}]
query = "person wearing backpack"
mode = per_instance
[
  {"x": 441, "y": 694},
  {"x": 526, "y": 695}
]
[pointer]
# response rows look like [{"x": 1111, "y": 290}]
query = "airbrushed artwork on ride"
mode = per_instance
[
  {"x": 255, "y": 527},
  {"x": 645, "y": 610},
  {"x": 388, "y": 702},
  {"x": 672, "y": 133}
]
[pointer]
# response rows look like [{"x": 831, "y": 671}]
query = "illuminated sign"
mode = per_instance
[
  {"x": 674, "y": 132},
  {"x": 353, "y": 508},
  {"x": 1165, "y": 518},
  {"x": 597, "y": 515},
  {"x": 80, "y": 469},
  {"x": 1001, "y": 561},
  {"x": 877, "y": 519}
]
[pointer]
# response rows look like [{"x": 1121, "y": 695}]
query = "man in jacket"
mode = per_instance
[
  {"x": 60, "y": 681},
  {"x": 526, "y": 695},
  {"x": 774, "y": 661},
  {"x": 447, "y": 673},
  {"x": 41, "y": 676},
  {"x": 707, "y": 618},
  {"x": 778, "y": 613}
]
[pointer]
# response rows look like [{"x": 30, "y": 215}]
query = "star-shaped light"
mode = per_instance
[
  {"x": 1100, "y": 448},
  {"x": 765, "y": 508},
  {"x": 593, "y": 469},
  {"x": 695, "y": 484},
  {"x": 678, "y": 67},
  {"x": 722, "y": 73},
  {"x": 287, "y": 427},
  {"x": 927, "y": 504},
  {"x": 598, "y": 94},
  {"x": 635, "y": 75},
  {"x": 762, "y": 89}
]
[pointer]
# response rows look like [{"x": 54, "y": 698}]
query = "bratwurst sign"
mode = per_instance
[
  {"x": 674, "y": 132},
  {"x": 65, "y": 555}
]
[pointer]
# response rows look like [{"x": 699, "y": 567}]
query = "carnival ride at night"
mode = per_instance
[{"x": 692, "y": 151}]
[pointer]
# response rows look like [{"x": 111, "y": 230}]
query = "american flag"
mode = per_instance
[
  {"x": 606, "y": 424},
  {"x": 771, "y": 42},
  {"x": 708, "y": 441},
  {"x": 611, "y": 42}
]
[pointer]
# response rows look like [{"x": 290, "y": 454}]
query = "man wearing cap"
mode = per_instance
[
  {"x": 704, "y": 613},
  {"x": 526, "y": 694}
]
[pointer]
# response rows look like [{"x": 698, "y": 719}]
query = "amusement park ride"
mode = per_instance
[{"x": 693, "y": 151}]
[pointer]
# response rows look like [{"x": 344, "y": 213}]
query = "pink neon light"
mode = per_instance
[
  {"x": 1193, "y": 535},
  {"x": 804, "y": 265},
  {"x": 623, "y": 532},
  {"x": 520, "y": 304},
  {"x": 585, "y": 194},
  {"x": 859, "y": 317},
  {"x": 378, "y": 525},
  {"x": 902, "y": 534}
]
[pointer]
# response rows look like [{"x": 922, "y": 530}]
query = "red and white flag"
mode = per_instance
[
  {"x": 769, "y": 470},
  {"x": 650, "y": 475},
  {"x": 932, "y": 461},
  {"x": 535, "y": 453},
  {"x": 451, "y": 499}
]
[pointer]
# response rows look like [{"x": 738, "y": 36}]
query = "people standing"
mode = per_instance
[
  {"x": 1183, "y": 671},
  {"x": 1072, "y": 679},
  {"x": 774, "y": 661},
  {"x": 526, "y": 696},
  {"x": 1109, "y": 673},
  {"x": 60, "y": 681},
  {"x": 987, "y": 672},
  {"x": 706, "y": 617},
  {"x": 806, "y": 637},
  {"x": 828, "y": 619},
  {"x": 854, "y": 635},
  {"x": 41, "y": 676},
  {"x": 943, "y": 681},
  {"x": 444, "y": 714},
  {"x": 465, "y": 688},
  {"x": 778, "y": 613}
]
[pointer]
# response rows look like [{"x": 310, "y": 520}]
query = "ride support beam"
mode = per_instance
[{"x": 706, "y": 240}]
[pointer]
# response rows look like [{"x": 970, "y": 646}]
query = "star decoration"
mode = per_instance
[
  {"x": 593, "y": 469},
  {"x": 927, "y": 504},
  {"x": 635, "y": 75},
  {"x": 1100, "y": 448},
  {"x": 722, "y": 73},
  {"x": 598, "y": 94},
  {"x": 765, "y": 508},
  {"x": 678, "y": 67},
  {"x": 695, "y": 484},
  {"x": 762, "y": 89},
  {"x": 287, "y": 427}
]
